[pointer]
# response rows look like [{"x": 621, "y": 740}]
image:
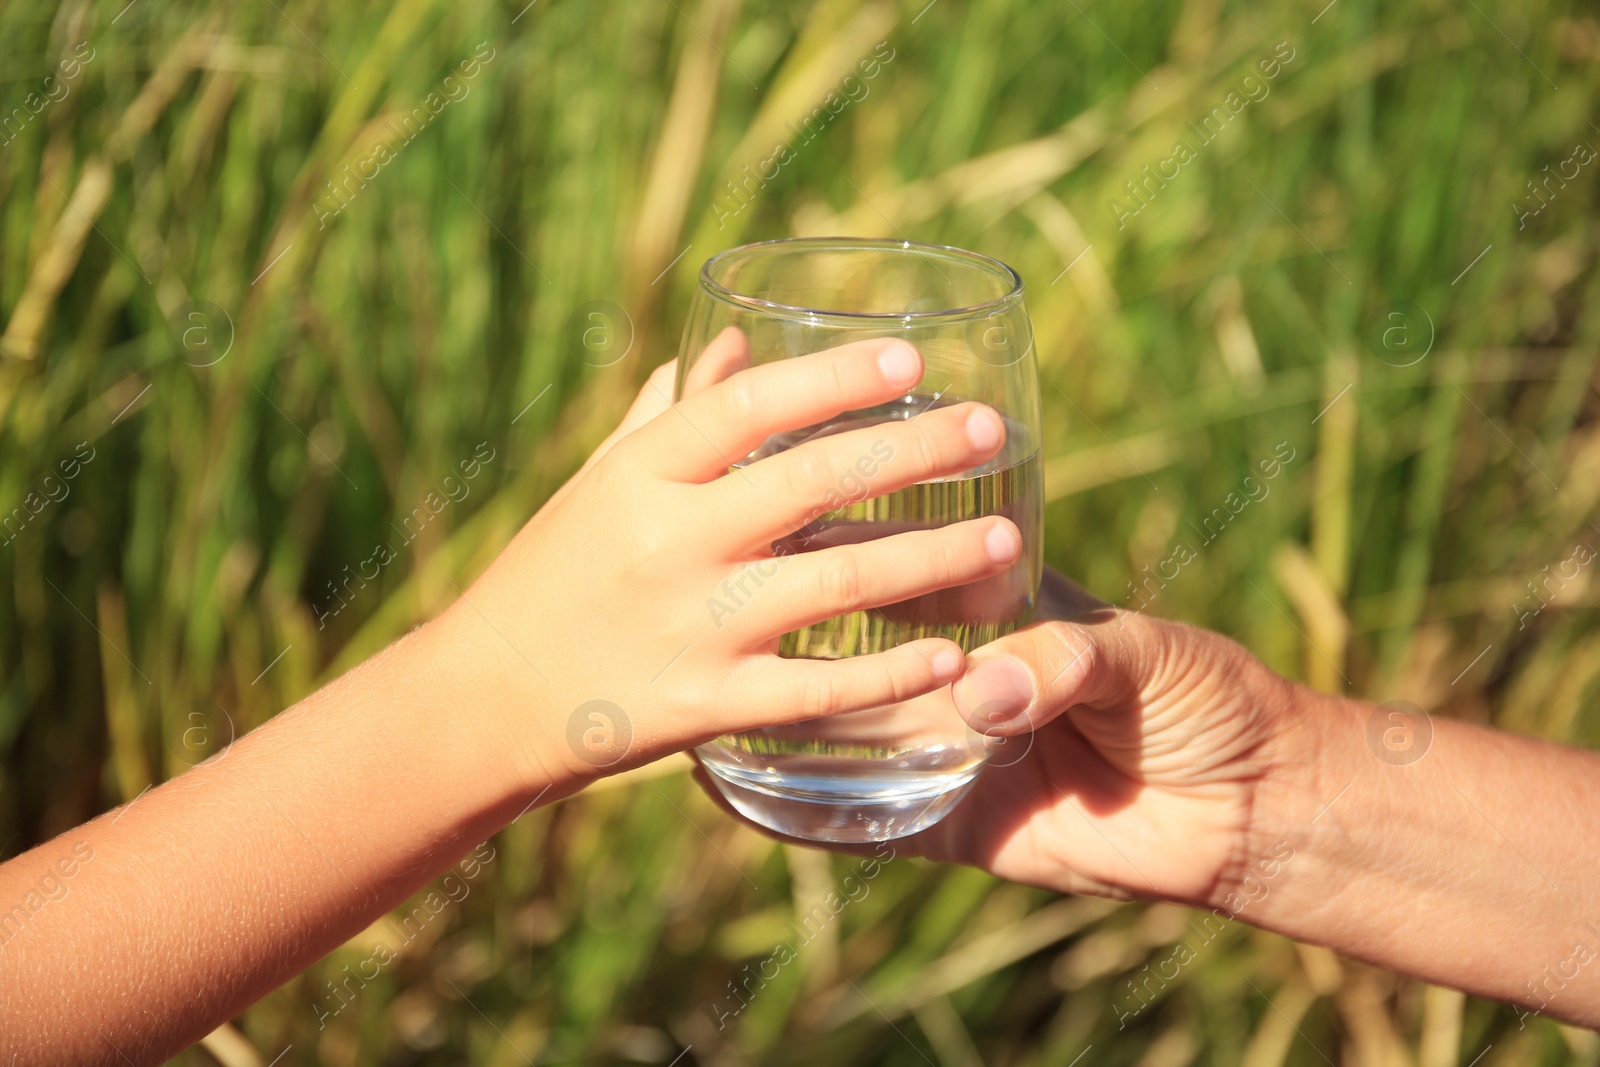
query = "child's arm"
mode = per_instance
[{"x": 137, "y": 933}]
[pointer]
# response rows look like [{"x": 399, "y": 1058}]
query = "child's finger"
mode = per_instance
[
  {"x": 707, "y": 433},
  {"x": 727, "y": 354},
  {"x": 655, "y": 396},
  {"x": 782, "y": 493},
  {"x": 812, "y": 586},
  {"x": 815, "y": 688}
]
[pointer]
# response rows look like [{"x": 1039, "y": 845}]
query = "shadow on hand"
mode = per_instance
[{"x": 1032, "y": 780}]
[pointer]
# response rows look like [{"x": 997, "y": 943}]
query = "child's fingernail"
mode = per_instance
[
  {"x": 1002, "y": 542},
  {"x": 900, "y": 364},
  {"x": 984, "y": 429},
  {"x": 947, "y": 663},
  {"x": 995, "y": 690}
]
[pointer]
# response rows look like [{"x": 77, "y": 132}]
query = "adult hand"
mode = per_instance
[
  {"x": 1132, "y": 751},
  {"x": 1146, "y": 758}
]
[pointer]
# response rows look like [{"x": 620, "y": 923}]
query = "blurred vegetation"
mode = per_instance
[{"x": 173, "y": 594}]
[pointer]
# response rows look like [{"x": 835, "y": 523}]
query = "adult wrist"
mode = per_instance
[{"x": 1280, "y": 877}]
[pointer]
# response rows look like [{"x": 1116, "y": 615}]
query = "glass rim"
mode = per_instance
[{"x": 948, "y": 253}]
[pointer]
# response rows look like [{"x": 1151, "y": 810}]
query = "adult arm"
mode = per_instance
[{"x": 1170, "y": 763}]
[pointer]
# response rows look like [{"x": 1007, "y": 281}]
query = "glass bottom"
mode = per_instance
[{"x": 838, "y": 808}]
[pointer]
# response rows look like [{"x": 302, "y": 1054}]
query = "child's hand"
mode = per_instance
[
  {"x": 649, "y": 583},
  {"x": 248, "y": 867}
]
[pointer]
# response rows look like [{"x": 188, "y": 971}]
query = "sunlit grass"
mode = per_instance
[{"x": 1243, "y": 305}]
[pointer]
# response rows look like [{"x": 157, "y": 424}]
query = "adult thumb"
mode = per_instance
[{"x": 1023, "y": 680}]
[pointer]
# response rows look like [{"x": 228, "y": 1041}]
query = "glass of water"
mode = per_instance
[{"x": 889, "y": 771}]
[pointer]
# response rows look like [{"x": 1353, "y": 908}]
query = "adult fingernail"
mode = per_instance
[
  {"x": 984, "y": 430},
  {"x": 995, "y": 690},
  {"x": 947, "y": 663},
  {"x": 900, "y": 364},
  {"x": 1002, "y": 542}
]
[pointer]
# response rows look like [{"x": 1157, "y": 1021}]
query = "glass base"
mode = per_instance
[{"x": 835, "y": 813}]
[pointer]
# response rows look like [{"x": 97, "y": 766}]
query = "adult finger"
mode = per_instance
[{"x": 1023, "y": 680}]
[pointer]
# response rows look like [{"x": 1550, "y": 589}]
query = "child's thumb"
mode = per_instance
[
  {"x": 653, "y": 399},
  {"x": 655, "y": 396}
]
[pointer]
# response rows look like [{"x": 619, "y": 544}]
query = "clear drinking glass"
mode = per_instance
[{"x": 888, "y": 771}]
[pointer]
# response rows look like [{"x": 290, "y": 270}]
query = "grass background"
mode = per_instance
[{"x": 172, "y": 596}]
